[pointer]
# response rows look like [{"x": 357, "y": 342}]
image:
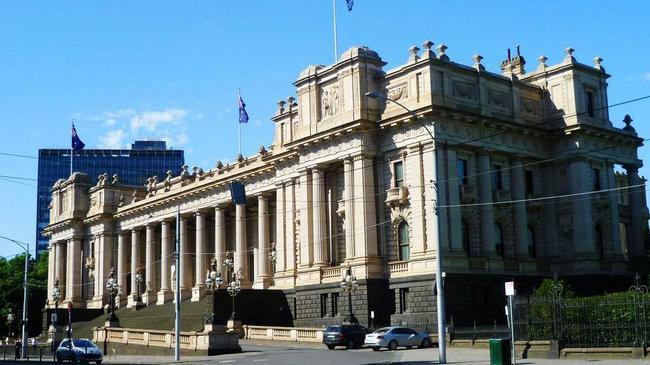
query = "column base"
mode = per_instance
[
  {"x": 262, "y": 283},
  {"x": 198, "y": 293},
  {"x": 134, "y": 302},
  {"x": 164, "y": 296},
  {"x": 149, "y": 297},
  {"x": 96, "y": 302},
  {"x": 185, "y": 294}
]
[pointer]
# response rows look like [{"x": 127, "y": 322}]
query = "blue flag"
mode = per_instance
[
  {"x": 77, "y": 145},
  {"x": 350, "y": 3},
  {"x": 243, "y": 116},
  {"x": 237, "y": 192}
]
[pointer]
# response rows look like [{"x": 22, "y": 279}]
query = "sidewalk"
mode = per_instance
[{"x": 482, "y": 357}]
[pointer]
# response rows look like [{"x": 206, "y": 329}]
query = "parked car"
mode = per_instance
[
  {"x": 348, "y": 335},
  {"x": 394, "y": 337},
  {"x": 78, "y": 349}
]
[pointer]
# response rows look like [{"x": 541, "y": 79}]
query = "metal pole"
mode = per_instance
[
  {"x": 336, "y": 47},
  {"x": 177, "y": 322},
  {"x": 512, "y": 330},
  {"x": 24, "y": 349}
]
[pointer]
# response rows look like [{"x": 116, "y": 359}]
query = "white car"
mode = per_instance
[
  {"x": 81, "y": 349},
  {"x": 394, "y": 337}
]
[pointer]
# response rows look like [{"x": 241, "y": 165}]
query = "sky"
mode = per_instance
[{"x": 126, "y": 70}]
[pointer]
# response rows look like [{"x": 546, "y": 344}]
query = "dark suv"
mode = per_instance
[{"x": 348, "y": 335}]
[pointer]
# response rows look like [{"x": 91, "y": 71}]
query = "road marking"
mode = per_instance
[
  {"x": 226, "y": 361},
  {"x": 260, "y": 360}
]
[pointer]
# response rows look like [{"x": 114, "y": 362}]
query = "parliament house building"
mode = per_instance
[{"x": 515, "y": 175}]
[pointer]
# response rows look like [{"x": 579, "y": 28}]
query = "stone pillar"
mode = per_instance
[
  {"x": 452, "y": 184},
  {"x": 150, "y": 281},
  {"x": 487, "y": 209},
  {"x": 241, "y": 244},
  {"x": 73, "y": 271},
  {"x": 61, "y": 268},
  {"x": 165, "y": 293},
  {"x": 121, "y": 267},
  {"x": 220, "y": 237},
  {"x": 365, "y": 229},
  {"x": 636, "y": 244},
  {"x": 51, "y": 273},
  {"x": 583, "y": 227},
  {"x": 280, "y": 226},
  {"x": 319, "y": 204},
  {"x": 185, "y": 269},
  {"x": 415, "y": 176},
  {"x": 262, "y": 280},
  {"x": 290, "y": 225},
  {"x": 198, "y": 291},
  {"x": 550, "y": 217},
  {"x": 135, "y": 264},
  {"x": 104, "y": 251},
  {"x": 615, "y": 218},
  {"x": 348, "y": 197},
  {"x": 519, "y": 209},
  {"x": 305, "y": 200}
]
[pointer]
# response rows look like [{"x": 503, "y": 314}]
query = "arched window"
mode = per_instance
[
  {"x": 599, "y": 241},
  {"x": 465, "y": 237},
  {"x": 403, "y": 241},
  {"x": 532, "y": 246},
  {"x": 498, "y": 239}
]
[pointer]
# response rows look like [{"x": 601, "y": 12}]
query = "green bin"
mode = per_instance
[{"x": 500, "y": 353}]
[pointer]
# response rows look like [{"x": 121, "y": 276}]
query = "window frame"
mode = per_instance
[
  {"x": 401, "y": 244},
  {"x": 499, "y": 244},
  {"x": 398, "y": 183},
  {"x": 462, "y": 171}
]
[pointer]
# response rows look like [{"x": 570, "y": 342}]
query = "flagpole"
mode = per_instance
[
  {"x": 336, "y": 48},
  {"x": 238, "y": 121},
  {"x": 71, "y": 150}
]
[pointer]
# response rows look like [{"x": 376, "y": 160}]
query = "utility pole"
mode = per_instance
[
  {"x": 24, "y": 349},
  {"x": 177, "y": 294}
]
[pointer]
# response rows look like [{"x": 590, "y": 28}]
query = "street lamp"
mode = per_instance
[
  {"x": 440, "y": 297},
  {"x": 56, "y": 297},
  {"x": 349, "y": 285},
  {"x": 213, "y": 281},
  {"x": 24, "y": 246},
  {"x": 233, "y": 289},
  {"x": 10, "y": 320},
  {"x": 113, "y": 288}
]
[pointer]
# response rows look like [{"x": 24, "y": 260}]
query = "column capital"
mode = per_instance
[{"x": 632, "y": 168}]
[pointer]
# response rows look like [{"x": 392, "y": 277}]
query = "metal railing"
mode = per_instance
[{"x": 34, "y": 353}]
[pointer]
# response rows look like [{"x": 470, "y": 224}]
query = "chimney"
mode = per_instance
[{"x": 513, "y": 66}]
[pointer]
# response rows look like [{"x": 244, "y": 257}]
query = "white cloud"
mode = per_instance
[
  {"x": 151, "y": 119},
  {"x": 177, "y": 141},
  {"x": 646, "y": 76},
  {"x": 112, "y": 140},
  {"x": 110, "y": 122}
]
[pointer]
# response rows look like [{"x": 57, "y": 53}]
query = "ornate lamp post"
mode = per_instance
[
  {"x": 138, "y": 280},
  {"x": 213, "y": 281},
  {"x": 113, "y": 289},
  {"x": 233, "y": 289},
  {"x": 10, "y": 320},
  {"x": 228, "y": 263},
  {"x": 273, "y": 256},
  {"x": 349, "y": 285},
  {"x": 56, "y": 297}
]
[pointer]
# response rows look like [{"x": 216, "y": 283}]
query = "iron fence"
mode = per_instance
[{"x": 34, "y": 353}]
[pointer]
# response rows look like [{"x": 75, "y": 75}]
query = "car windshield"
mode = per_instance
[
  {"x": 333, "y": 329},
  {"x": 382, "y": 330},
  {"x": 83, "y": 343}
]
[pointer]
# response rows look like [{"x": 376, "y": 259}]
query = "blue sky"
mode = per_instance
[{"x": 162, "y": 69}]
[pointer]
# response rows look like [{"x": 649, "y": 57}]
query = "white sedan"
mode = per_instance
[{"x": 394, "y": 337}]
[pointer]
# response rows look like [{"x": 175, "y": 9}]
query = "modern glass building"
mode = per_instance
[{"x": 134, "y": 166}]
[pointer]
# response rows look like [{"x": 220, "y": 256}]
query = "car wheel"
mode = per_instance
[
  {"x": 330, "y": 347},
  {"x": 350, "y": 344},
  {"x": 425, "y": 343},
  {"x": 375, "y": 348},
  {"x": 392, "y": 345}
]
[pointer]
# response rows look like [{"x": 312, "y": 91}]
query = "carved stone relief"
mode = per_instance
[
  {"x": 398, "y": 92},
  {"x": 331, "y": 101},
  {"x": 498, "y": 99},
  {"x": 527, "y": 105},
  {"x": 464, "y": 90}
]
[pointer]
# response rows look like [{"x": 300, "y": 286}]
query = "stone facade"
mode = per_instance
[{"x": 512, "y": 176}]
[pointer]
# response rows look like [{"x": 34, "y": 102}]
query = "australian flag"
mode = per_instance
[
  {"x": 243, "y": 116},
  {"x": 77, "y": 145},
  {"x": 350, "y": 4}
]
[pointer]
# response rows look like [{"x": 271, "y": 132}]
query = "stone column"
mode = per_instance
[
  {"x": 241, "y": 244},
  {"x": 319, "y": 204},
  {"x": 165, "y": 293},
  {"x": 636, "y": 244},
  {"x": 73, "y": 271},
  {"x": 135, "y": 264},
  {"x": 305, "y": 201},
  {"x": 198, "y": 291},
  {"x": 185, "y": 269},
  {"x": 615, "y": 218},
  {"x": 348, "y": 197},
  {"x": 519, "y": 209},
  {"x": 220, "y": 236},
  {"x": 61, "y": 271},
  {"x": 51, "y": 273},
  {"x": 416, "y": 185},
  {"x": 103, "y": 249},
  {"x": 150, "y": 281},
  {"x": 262, "y": 280},
  {"x": 451, "y": 184},
  {"x": 290, "y": 225},
  {"x": 121, "y": 267},
  {"x": 583, "y": 227},
  {"x": 280, "y": 226},
  {"x": 365, "y": 229},
  {"x": 550, "y": 217},
  {"x": 487, "y": 209}
]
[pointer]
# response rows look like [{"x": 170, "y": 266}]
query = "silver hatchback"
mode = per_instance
[{"x": 394, "y": 337}]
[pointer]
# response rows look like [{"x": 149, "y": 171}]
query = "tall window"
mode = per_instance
[
  {"x": 498, "y": 239},
  {"x": 532, "y": 248},
  {"x": 403, "y": 241},
  {"x": 596, "y": 173},
  {"x": 323, "y": 305},
  {"x": 599, "y": 241},
  {"x": 591, "y": 110},
  {"x": 461, "y": 170},
  {"x": 497, "y": 177},
  {"x": 529, "y": 182},
  {"x": 335, "y": 304},
  {"x": 623, "y": 232},
  {"x": 399, "y": 174},
  {"x": 465, "y": 233},
  {"x": 403, "y": 299}
]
